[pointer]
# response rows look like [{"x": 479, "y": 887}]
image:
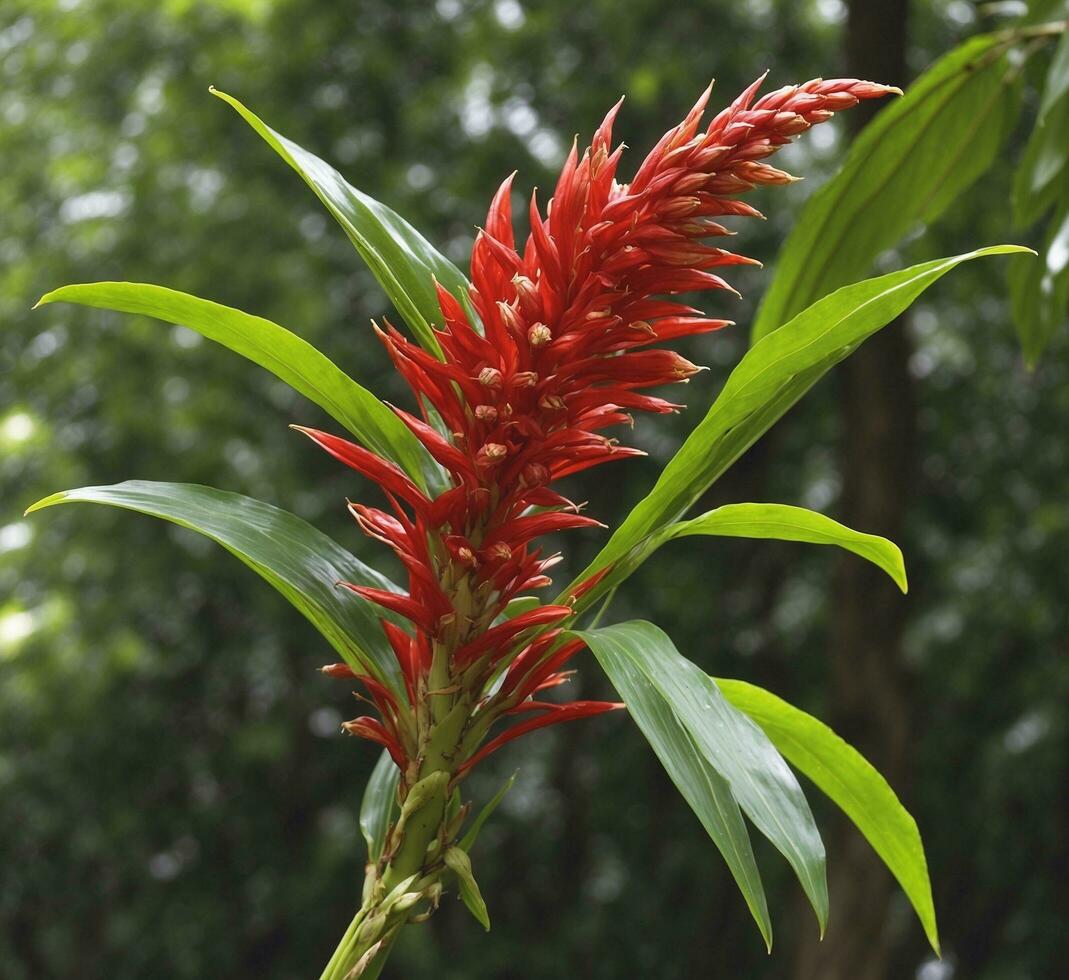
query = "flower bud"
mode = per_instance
[
  {"x": 536, "y": 474},
  {"x": 486, "y": 413},
  {"x": 551, "y": 403},
  {"x": 491, "y": 454},
  {"x": 525, "y": 379},
  {"x": 338, "y": 670},
  {"x": 490, "y": 377},
  {"x": 510, "y": 317},
  {"x": 539, "y": 335}
]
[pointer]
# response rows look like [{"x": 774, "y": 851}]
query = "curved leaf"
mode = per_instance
[
  {"x": 403, "y": 261},
  {"x": 852, "y": 783},
  {"x": 379, "y": 807},
  {"x": 781, "y": 522},
  {"x": 907, "y": 165},
  {"x": 651, "y": 675},
  {"x": 468, "y": 841},
  {"x": 770, "y": 378},
  {"x": 275, "y": 348},
  {"x": 301, "y": 562}
]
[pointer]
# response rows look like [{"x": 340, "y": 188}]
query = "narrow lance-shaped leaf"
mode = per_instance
[
  {"x": 378, "y": 808},
  {"x": 769, "y": 379},
  {"x": 298, "y": 560},
  {"x": 852, "y": 783},
  {"x": 472, "y": 833},
  {"x": 778, "y": 521},
  {"x": 726, "y": 739},
  {"x": 705, "y": 790},
  {"x": 906, "y": 167},
  {"x": 403, "y": 261},
  {"x": 281, "y": 352}
]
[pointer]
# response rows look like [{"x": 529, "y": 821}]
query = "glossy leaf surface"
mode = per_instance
[
  {"x": 298, "y": 560},
  {"x": 852, "y": 783}
]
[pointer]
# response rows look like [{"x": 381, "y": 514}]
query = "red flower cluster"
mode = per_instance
[{"x": 557, "y": 348}]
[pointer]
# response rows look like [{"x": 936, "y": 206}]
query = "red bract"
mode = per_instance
[{"x": 558, "y": 346}]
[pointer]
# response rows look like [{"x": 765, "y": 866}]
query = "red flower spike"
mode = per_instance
[{"x": 568, "y": 341}]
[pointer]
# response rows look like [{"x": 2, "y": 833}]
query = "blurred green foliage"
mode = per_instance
[{"x": 175, "y": 799}]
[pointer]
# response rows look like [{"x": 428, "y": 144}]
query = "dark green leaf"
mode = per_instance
[
  {"x": 1044, "y": 168},
  {"x": 770, "y": 378},
  {"x": 378, "y": 809},
  {"x": 403, "y": 261},
  {"x": 852, "y": 783},
  {"x": 650, "y": 674},
  {"x": 301, "y": 562},
  {"x": 281, "y": 352},
  {"x": 905, "y": 168},
  {"x": 1039, "y": 291}
]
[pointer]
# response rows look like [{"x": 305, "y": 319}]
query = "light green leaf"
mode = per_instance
[
  {"x": 905, "y": 168},
  {"x": 658, "y": 684},
  {"x": 852, "y": 783},
  {"x": 379, "y": 809},
  {"x": 403, "y": 261},
  {"x": 778, "y": 521},
  {"x": 281, "y": 352},
  {"x": 770, "y": 378},
  {"x": 460, "y": 864},
  {"x": 468, "y": 840},
  {"x": 301, "y": 562}
]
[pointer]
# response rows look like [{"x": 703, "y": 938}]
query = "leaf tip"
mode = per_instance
[{"x": 52, "y": 498}]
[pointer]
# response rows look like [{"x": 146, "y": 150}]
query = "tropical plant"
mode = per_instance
[{"x": 514, "y": 375}]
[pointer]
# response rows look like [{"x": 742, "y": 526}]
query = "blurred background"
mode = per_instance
[{"x": 176, "y": 800}]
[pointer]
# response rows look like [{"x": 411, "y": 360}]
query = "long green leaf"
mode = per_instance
[
  {"x": 275, "y": 348},
  {"x": 379, "y": 805},
  {"x": 905, "y": 168},
  {"x": 469, "y": 838},
  {"x": 1039, "y": 291},
  {"x": 760, "y": 781},
  {"x": 1044, "y": 168},
  {"x": 781, "y": 522},
  {"x": 403, "y": 261},
  {"x": 852, "y": 783},
  {"x": 301, "y": 562},
  {"x": 770, "y": 378}
]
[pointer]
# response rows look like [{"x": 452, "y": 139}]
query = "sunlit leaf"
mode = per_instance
[
  {"x": 770, "y": 378},
  {"x": 852, "y": 783},
  {"x": 281, "y": 352},
  {"x": 403, "y": 261},
  {"x": 663, "y": 689}
]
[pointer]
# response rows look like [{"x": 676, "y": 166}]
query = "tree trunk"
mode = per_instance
[{"x": 868, "y": 700}]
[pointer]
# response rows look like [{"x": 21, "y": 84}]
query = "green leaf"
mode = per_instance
[
  {"x": 403, "y": 261},
  {"x": 281, "y": 352},
  {"x": 779, "y": 521},
  {"x": 852, "y": 783},
  {"x": 301, "y": 562},
  {"x": 379, "y": 809},
  {"x": 770, "y": 378},
  {"x": 1044, "y": 168},
  {"x": 468, "y": 840},
  {"x": 658, "y": 684},
  {"x": 905, "y": 168},
  {"x": 460, "y": 864},
  {"x": 1039, "y": 291}
]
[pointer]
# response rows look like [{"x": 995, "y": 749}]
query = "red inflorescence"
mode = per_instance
[{"x": 556, "y": 346}]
